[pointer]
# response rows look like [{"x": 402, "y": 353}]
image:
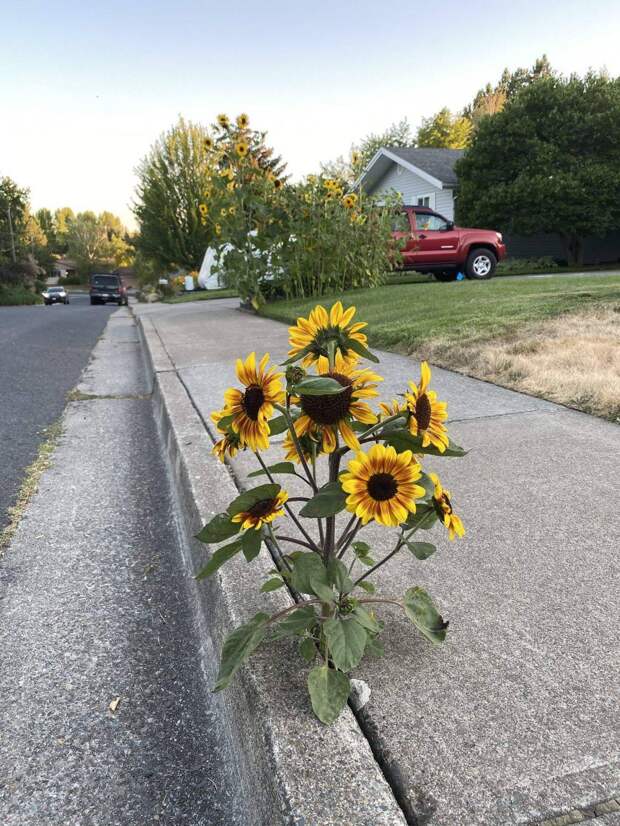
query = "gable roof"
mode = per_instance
[{"x": 434, "y": 165}]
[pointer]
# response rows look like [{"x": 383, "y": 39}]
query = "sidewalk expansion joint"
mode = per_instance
[
  {"x": 508, "y": 413},
  {"x": 79, "y": 396},
  {"x": 586, "y": 814}
]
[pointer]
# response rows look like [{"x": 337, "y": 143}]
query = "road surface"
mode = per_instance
[{"x": 43, "y": 351}]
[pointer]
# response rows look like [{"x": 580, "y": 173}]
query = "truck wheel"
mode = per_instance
[
  {"x": 445, "y": 276},
  {"x": 481, "y": 264}
]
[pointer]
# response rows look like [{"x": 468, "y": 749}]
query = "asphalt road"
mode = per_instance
[{"x": 43, "y": 351}]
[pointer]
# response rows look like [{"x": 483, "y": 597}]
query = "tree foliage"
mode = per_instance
[
  {"x": 95, "y": 241},
  {"x": 349, "y": 169},
  {"x": 445, "y": 131},
  {"x": 172, "y": 180},
  {"x": 548, "y": 162},
  {"x": 14, "y": 215}
]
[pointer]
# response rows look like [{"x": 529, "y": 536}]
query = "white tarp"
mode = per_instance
[{"x": 208, "y": 276}]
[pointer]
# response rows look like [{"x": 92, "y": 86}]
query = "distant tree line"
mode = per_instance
[{"x": 31, "y": 242}]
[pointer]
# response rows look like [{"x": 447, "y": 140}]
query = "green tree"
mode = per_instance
[
  {"x": 95, "y": 241},
  {"x": 548, "y": 162},
  {"x": 13, "y": 219},
  {"x": 349, "y": 169},
  {"x": 491, "y": 99},
  {"x": 62, "y": 221},
  {"x": 445, "y": 131},
  {"x": 172, "y": 181}
]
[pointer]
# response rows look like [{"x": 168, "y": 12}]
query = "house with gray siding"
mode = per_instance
[
  {"x": 423, "y": 177},
  {"x": 426, "y": 177}
]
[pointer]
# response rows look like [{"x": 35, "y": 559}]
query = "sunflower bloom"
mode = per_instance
[
  {"x": 243, "y": 121},
  {"x": 230, "y": 443},
  {"x": 203, "y": 209},
  {"x": 278, "y": 183},
  {"x": 232, "y": 210},
  {"x": 262, "y": 512},
  {"x": 443, "y": 507},
  {"x": 252, "y": 407},
  {"x": 230, "y": 186},
  {"x": 242, "y": 148},
  {"x": 427, "y": 415},
  {"x": 224, "y": 121},
  {"x": 227, "y": 172},
  {"x": 311, "y": 336},
  {"x": 349, "y": 200},
  {"x": 393, "y": 408},
  {"x": 381, "y": 485},
  {"x": 208, "y": 144},
  {"x": 313, "y": 438},
  {"x": 328, "y": 415},
  {"x": 355, "y": 158},
  {"x": 218, "y": 229}
]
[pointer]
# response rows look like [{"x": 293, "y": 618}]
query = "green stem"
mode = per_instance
[{"x": 288, "y": 509}]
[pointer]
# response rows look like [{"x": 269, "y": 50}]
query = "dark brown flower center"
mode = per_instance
[
  {"x": 329, "y": 409},
  {"x": 382, "y": 486},
  {"x": 423, "y": 411},
  {"x": 262, "y": 508},
  {"x": 252, "y": 401}
]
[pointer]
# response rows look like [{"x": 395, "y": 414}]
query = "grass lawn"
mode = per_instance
[
  {"x": 502, "y": 331},
  {"x": 201, "y": 295}
]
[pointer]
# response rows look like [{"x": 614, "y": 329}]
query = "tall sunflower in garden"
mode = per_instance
[
  {"x": 426, "y": 414},
  {"x": 326, "y": 416},
  {"x": 312, "y": 338},
  {"x": 251, "y": 408}
]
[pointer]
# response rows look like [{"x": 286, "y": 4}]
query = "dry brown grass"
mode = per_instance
[{"x": 572, "y": 359}]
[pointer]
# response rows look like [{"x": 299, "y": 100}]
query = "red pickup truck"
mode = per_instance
[{"x": 430, "y": 243}]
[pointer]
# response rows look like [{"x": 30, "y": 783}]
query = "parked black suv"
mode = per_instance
[{"x": 106, "y": 287}]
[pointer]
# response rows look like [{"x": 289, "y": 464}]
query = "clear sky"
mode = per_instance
[{"x": 86, "y": 87}]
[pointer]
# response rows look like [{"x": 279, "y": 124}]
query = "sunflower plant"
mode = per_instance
[{"x": 357, "y": 467}]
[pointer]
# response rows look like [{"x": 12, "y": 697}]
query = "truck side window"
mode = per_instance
[
  {"x": 430, "y": 222},
  {"x": 400, "y": 222}
]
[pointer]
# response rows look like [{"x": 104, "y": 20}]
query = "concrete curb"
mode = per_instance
[{"x": 291, "y": 769}]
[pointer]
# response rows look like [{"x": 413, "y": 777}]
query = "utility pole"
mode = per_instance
[{"x": 8, "y": 212}]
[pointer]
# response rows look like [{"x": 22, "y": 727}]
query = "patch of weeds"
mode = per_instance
[{"x": 30, "y": 483}]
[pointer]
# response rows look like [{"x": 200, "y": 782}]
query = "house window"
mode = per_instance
[{"x": 426, "y": 200}]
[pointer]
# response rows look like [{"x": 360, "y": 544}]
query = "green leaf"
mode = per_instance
[
  {"x": 279, "y": 467},
  {"x": 218, "y": 529},
  {"x": 358, "y": 347},
  {"x": 297, "y": 622},
  {"x": 272, "y": 585},
  {"x": 374, "y": 647},
  {"x": 322, "y": 590},
  {"x": 423, "y": 614},
  {"x": 218, "y": 558},
  {"x": 421, "y": 550},
  {"x": 329, "y": 691},
  {"x": 427, "y": 483},
  {"x": 361, "y": 551},
  {"x": 366, "y": 620},
  {"x": 250, "y": 543},
  {"x": 238, "y": 647},
  {"x": 338, "y": 575},
  {"x": 251, "y": 497},
  {"x": 423, "y": 519},
  {"x": 328, "y": 501},
  {"x": 298, "y": 355},
  {"x": 277, "y": 426},
  {"x": 346, "y": 639},
  {"x": 307, "y": 566},
  {"x": 317, "y": 386},
  {"x": 225, "y": 422},
  {"x": 307, "y": 649},
  {"x": 367, "y": 586},
  {"x": 402, "y": 440}
]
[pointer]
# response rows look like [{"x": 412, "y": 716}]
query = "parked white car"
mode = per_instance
[{"x": 55, "y": 295}]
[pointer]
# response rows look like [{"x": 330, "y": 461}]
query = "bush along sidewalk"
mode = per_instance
[{"x": 325, "y": 416}]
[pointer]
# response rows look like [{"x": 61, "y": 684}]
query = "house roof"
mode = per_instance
[{"x": 434, "y": 165}]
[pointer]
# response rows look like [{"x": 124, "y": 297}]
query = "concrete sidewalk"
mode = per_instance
[
  {"x": 95, "y": 606},
  {"x": 515, "y": 719}
]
